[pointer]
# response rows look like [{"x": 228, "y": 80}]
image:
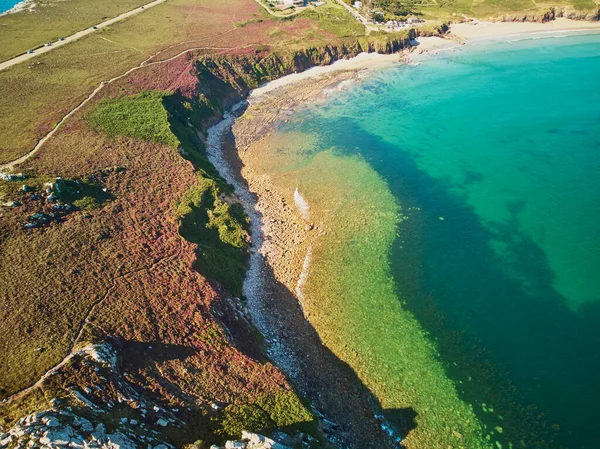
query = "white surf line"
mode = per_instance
[
  {"x": 78, "y": 35},
  {"x": 302, "y": 280},
  {"x": 302, "y": 205}
]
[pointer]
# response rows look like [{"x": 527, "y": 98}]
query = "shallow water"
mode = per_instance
[
  {"x": 5, "y": 5},
  {"x": 493, "y": 153}
]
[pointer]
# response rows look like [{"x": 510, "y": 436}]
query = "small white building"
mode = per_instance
[{"x": 358, "y": 4}]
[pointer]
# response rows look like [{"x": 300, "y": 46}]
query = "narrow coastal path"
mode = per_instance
[
  {"x": 73, "y": 37},
  {"x": 146, "y": 63}
]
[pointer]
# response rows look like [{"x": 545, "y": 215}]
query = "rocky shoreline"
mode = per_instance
[
  {"x": 282, "y": 235},
  {"x": 281, "y": 243}
]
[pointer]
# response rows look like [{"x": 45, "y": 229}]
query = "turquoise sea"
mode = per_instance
[
  {"x": 493, "y": 152},
  {"x": 5, "y": 5}
]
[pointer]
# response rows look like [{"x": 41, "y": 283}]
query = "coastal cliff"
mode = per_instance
[
  {"x": 225, "y": 80},
  {"x": 202, "y": 360},
  {"x": 555, "y": 12}
]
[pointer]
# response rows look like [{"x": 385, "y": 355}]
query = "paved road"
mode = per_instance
[{"x": 78, "y": 35}]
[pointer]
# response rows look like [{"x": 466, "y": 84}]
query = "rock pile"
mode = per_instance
[
  {"x": 60, "y": 428},
  {"x": 252, "y": 441},
  {"x": 84, "y": 416}
]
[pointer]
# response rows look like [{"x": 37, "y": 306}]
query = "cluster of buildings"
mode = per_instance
[
  {"x": 285, "y": 4},
  {"x": 396, "y": 25}
]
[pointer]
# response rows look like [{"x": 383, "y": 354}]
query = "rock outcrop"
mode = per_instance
[
  {"x": 82, "y": 418},
  {"x": 553, "y": 13}
]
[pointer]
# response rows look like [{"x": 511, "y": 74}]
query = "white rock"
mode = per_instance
[
  {"x": 119, "y": 441},
  {"x": 51, "y": 421},
  {"x": 235, "y": 445},
  {"x": 83, "y": 424}
]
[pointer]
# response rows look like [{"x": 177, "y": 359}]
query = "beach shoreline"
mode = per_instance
[
  {"x": 283, "y": 234},
  {"x": 25, "y": 5}
]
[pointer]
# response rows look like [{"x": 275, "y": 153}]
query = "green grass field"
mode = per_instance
[
  {"x": 449, "y": 10},
  {"x": 52, "y": 19}
]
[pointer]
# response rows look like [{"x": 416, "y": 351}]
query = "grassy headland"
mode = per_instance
[{"x": 154, "y": 262}]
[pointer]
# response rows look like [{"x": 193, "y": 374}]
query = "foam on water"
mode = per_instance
[{"x": 302, "y": 205}]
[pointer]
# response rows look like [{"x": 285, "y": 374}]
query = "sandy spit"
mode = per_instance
[{"x": 282, "y": 233}]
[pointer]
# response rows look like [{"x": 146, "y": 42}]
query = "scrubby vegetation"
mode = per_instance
[
  {"x": 268, "y": 413},
  {"x": 220, "y": 231},
  {"x": 217, "y": 226}
]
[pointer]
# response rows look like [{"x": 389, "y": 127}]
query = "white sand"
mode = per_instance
[
  {"x": 28, "y": 5},
  {"x": 483, "y": 30},
  {"x": 360, "y": 62},
  {"x": 474, "y": 31}
]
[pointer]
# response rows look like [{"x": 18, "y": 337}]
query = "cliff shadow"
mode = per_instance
[
  {"x": 348, "y": 411},
  {"x": 507, "y": 337}
]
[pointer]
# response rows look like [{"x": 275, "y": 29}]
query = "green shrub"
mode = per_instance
[
  {"x": 244, "y": 417},
  {"x": 219, "y": 229},
  {"x": 87, "y": 203}
]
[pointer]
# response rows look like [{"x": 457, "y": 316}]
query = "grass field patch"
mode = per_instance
[{"x": 142, "y": 116}]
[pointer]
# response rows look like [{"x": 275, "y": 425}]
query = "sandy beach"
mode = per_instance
[
  {"x": 466, "y": 33},
  {"x": 493, "y": 30},
  {"x": 283, "y": 231}
]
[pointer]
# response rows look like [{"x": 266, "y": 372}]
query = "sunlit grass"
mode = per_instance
[{"x": 50, "y": 20}]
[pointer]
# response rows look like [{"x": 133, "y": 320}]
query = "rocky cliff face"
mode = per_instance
[
  {"x": 553, "y": 13},
  {"x": 226, "y": 80}
]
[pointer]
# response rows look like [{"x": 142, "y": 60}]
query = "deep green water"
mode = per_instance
[{"x": 496, "y": 150}]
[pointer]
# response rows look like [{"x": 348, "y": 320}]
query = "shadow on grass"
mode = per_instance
[{"x": 153, "y": 350}]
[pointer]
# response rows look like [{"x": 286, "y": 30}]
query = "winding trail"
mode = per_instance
[
  {"x": 146, "y": 63},
  {"x": 8, "y": 166},
  {"x": 78, "y": 35},
  {"x": 71, "y": 352}
]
